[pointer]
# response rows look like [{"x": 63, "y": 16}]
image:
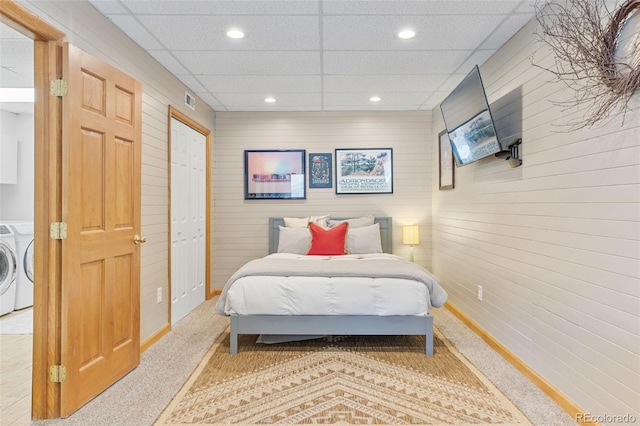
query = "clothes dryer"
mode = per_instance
[
  {"x": 8, "y": 269},
  {"x": 23, "y": 234}
]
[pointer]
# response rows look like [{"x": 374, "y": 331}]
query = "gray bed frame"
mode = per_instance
[{"x": 322, "y": 325}]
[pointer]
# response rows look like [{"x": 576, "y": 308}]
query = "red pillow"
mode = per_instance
[{"x": 328, "y": 242}]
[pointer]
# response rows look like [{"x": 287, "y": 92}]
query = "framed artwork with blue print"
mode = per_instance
[{"x": 320, "y": 166}]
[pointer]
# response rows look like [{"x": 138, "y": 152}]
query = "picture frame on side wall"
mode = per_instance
[
  {"x": 364, "y": 171},
  {"x": 445, "y": 156},
  {"x": 320, "y": 166},
  {"x": 274, "y": 174}
]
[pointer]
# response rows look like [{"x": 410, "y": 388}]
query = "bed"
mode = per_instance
[{"x": 369, "y": 292}]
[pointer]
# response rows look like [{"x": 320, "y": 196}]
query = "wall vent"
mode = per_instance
[{"x": 189, "y": 101}]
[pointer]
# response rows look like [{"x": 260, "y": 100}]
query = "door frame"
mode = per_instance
[
  {"x": 184, "y": 118},
  {"x": 45, "y": 400}
]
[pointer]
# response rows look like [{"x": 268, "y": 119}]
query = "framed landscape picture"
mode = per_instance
[
  {"x": 320, "y": 166},
  {"x": 364, "y": 171},
  {"x": 274, "y": 174},
  {"x": 446, "y": 161}
]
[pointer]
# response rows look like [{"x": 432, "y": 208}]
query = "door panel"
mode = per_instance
[
  {"x": 100, "y": 262},
  {"x": 188, "y": 219}
]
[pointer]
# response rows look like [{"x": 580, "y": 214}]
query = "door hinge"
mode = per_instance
[
  {"x": 58, "y": 231},
  {"x": 57, "y": 373},
  {"x": 59, "y": 87}
]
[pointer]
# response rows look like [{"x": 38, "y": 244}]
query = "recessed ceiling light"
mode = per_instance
[
  {"x": 270, "y": 99},
  {"x": 407, "y": 34},
  {"x": 235, "y": 34},
  {"x": 375, "y": 99}
]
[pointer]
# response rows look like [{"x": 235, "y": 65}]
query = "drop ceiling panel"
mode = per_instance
[
  {"x": 210, "y": 99},
  {"x": 186, "y": 32},
  {"x": 16, "y": 76},
  {"x": 505, "y": 31},
  {"x": 478, "y": 57},
  {"x": 418, "y": 7},
  {"x": 380, "y": 32},
  {"x": 374, "y": 83},
  {"x": 192, "y": 82},
  {"x": 262, "y": 83},
  {"x": 319, "y": 54},
  {"x": 136, "y": 31},
  {"x": 108, "y": 7},
  {"x": 410, "y": 101},
  {"x": 16, "y": 52},
  {"x": 221, "y": 7},
  {"x": 393, "y": 62},
  {"x": 244, "y": 100},
  {"x": 254, "y": 63},
  {"x": 169, "y": 61}
]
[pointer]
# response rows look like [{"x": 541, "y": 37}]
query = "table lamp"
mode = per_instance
[{"x": 411, "y": 236}]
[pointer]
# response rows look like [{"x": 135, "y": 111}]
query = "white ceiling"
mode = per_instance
[
  {"x": 311, "y": 55},
  {"x": 319, "y": 55},
  {"x": 16, "y": 66}
]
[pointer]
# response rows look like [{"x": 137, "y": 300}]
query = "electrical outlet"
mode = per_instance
[
  {"x": 480, "y": 293},
  {"x": 159, "y": 295}
]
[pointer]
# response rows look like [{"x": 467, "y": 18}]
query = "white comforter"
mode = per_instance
[{"x": 371, "y": 284}]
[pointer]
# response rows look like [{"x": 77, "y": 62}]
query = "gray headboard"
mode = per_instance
[{"x": 385, "y": 232}]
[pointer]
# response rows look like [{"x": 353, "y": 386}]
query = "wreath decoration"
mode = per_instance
[{"x": 587, "y": 40}]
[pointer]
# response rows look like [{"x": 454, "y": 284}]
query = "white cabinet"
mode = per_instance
[{"x": 8, "y": 159}]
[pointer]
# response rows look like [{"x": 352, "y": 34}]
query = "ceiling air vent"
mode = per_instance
[{"x": 189, "y": 101}]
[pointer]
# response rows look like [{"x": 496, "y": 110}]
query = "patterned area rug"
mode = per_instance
[{"x": 347, "y": 380}]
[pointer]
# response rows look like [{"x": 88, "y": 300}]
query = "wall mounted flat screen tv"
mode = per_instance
[{"x": 468, "y": 120}]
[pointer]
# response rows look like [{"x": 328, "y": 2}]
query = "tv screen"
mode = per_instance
[{"x": 468, "y": 121}]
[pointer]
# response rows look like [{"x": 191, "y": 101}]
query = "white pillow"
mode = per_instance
[
  {"x": 294, "y": 240},
  {"x": 365, "y": 239},
  {"x": 356, "y": 222},
  {"x": 303, "y": 222},
  {"x": 296, "y": 222}
]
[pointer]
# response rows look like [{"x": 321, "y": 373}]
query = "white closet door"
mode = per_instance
[{"x": 188, "y": 186}]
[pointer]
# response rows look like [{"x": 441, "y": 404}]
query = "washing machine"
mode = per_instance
[
  {"x": 8, "y": 269},
  {"x": 23, "y": 234}
]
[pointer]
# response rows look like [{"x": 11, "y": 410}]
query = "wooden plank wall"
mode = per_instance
[
  {"x": 240, "y": 226},
  {"x": 86, "y": 28},
  {"x": 553, "y": 243}
]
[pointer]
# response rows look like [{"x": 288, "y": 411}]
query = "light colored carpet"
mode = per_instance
[
  {"x": 352, "y": 380},
  {"x": 140, "y": 397}
]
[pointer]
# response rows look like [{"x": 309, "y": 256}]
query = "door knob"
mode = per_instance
[{"x": 137, "y": 239}]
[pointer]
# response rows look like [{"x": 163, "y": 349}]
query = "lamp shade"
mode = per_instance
[{"x": 411, "y": 235}]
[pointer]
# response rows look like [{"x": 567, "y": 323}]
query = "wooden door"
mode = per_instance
[
  {"x": 188, "y": 219},
  {"x": 100, "y": 319}
]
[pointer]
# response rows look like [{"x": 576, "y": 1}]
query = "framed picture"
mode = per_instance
[
  {"x": 320, "y": 166},
  {"x": 274, "y": 174},
  {"x": 446, "y": 161},
  {"x": 364, "y": 171}
]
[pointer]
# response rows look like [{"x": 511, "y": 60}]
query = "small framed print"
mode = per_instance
[
  {"x": 320, "y": 166},
  {"x": 446, "y": 168},
  {"x": 274, "y": 174},
  {"x": 364, "y": 171}
]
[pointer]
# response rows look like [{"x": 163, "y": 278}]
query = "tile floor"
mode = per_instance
[{"x": 16, "y": 342}]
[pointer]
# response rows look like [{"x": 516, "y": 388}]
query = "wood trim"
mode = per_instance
[
  {"x": 180, "y": 116},
  {"x": 175, "y": 113},
  {"x": 45, "y": 395},
  {"x": 25, "y": 22},
  {"x": 560, "y": 398},
  {"x": 207, "y": 218},
  {"x": 155, "y": 337},
  {"x": 214, "y": 293}
]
